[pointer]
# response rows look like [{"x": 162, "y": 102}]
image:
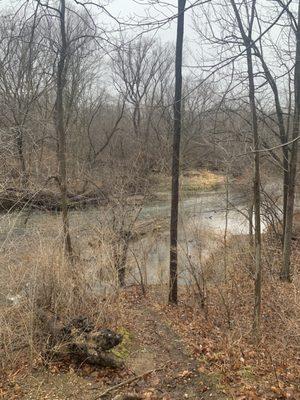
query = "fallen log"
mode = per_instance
[
  {"x": 13, "y": 199},
  {"x": 81, "y": 341}
]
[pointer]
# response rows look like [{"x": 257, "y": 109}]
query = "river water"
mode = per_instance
[{"x": 204, "y": 217}]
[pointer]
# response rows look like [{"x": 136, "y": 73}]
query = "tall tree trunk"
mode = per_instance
[
  {"x": 247, "y": 39},
  {"x": 60, "y": 127},
  {"x": 176, "y": 157},
  {"x": 256, "y": 188},
  {"x": 250, "y": 213},
  {"x": 286, "y": 271},
  {"x": 20, "y": 149}
]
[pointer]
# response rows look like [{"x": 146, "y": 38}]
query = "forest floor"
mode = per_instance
[
  {"x": 150, "y": 345},
  {"x": 184, "y": 352}
]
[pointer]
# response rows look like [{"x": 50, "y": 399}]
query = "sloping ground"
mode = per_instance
[
  {"x": 149, "y": 345},
  {"x": 221, "y": 335},
  {"x": 159, "y": 345},
  {"x": 192, "y": 353}
]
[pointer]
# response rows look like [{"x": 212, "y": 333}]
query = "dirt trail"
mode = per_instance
[
  {"x": 181, "y": 378},
  {"x": 154, "y": 345}
]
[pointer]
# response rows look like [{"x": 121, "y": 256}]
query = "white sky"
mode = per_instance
[
  {"x": 129, "y": 8},
  {"x": 130, "y": 11}
]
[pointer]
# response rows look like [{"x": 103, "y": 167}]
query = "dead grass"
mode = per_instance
[
  {"x": 191, "y": 181},
  {"x": 36, "y": 276},
  {"x": 219, "y": 336},
  {"x": 201, "y": 180}
]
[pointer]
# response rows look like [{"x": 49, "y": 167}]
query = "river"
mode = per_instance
[{"x": 203, "y": 221}]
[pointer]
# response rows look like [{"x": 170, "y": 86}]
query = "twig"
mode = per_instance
[{"x": 127, "y": 382}]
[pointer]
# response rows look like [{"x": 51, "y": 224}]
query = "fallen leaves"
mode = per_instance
[
  {"x": 184, "y": 374},
  {"x": 242, "y": 369}
]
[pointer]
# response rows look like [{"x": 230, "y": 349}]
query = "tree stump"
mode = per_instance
[{"x": 81, "y": 341}]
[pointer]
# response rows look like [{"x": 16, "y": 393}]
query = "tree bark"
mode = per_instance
[
  {"x": 80, "y": 340},
  {"x": 20, "y": 148},
  {"x": 286, "y": 270},
  {"x": 173, "y": 284},
  {"x": 250, "y": 213},
  {"x": 60, "y": 127}
]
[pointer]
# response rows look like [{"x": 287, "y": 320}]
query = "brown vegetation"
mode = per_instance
[{"x": 87, "y": 115}]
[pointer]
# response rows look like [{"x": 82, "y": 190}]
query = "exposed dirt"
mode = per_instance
[
  {"x": 162, "y": 346},
  {"x": 153, "y": 345}
]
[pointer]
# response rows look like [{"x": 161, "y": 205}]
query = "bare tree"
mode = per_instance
[
  {"x": 69, "y": 37},
  {"x": 247, "y": 39},
  {"x": 173, "y": 285},
  {"x": 60, "y": 124},
  {"x": 283, "y": 133},
  {"x": 141, "y": 71},
  {"x": 24, "y": 77},
  {"x": 286, "y": 271}
]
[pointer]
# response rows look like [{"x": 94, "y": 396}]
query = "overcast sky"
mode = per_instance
[{"x": 130, "y": 11}]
